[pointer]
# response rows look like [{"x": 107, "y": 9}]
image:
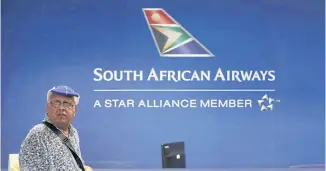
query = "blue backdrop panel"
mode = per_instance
[{"x": 47, "y": 43}]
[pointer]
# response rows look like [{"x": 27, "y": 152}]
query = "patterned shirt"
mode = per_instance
[{"x": 43, "y": 150}]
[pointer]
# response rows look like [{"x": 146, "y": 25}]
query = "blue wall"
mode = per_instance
[{"x": 46, "y": 43}]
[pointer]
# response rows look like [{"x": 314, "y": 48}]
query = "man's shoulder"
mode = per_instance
[
  {"x": 38, "y": 130},
  {"x": 35, "y": 135}
]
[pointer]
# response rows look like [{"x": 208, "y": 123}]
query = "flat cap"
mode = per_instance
[{"x": 64, "y": 91}]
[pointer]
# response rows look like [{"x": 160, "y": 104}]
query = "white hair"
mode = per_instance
[{"x": 50, "y": 94}]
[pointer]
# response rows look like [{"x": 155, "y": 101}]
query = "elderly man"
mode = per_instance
[{"x": 53, "y": 145}]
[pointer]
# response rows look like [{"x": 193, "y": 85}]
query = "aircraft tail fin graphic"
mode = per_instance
[{"x": 171, "y": 39}]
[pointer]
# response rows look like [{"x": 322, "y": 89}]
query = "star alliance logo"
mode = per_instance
[
  {"x": 171, "y": 39},
  {"x": 267, "y": 103}
]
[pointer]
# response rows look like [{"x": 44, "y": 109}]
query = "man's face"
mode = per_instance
[{"x": 61, "y": 110}]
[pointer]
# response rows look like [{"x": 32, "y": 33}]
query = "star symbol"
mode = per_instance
[
  {"x": 270, "y": 102},
  {"x": 171, "y": 34}
]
